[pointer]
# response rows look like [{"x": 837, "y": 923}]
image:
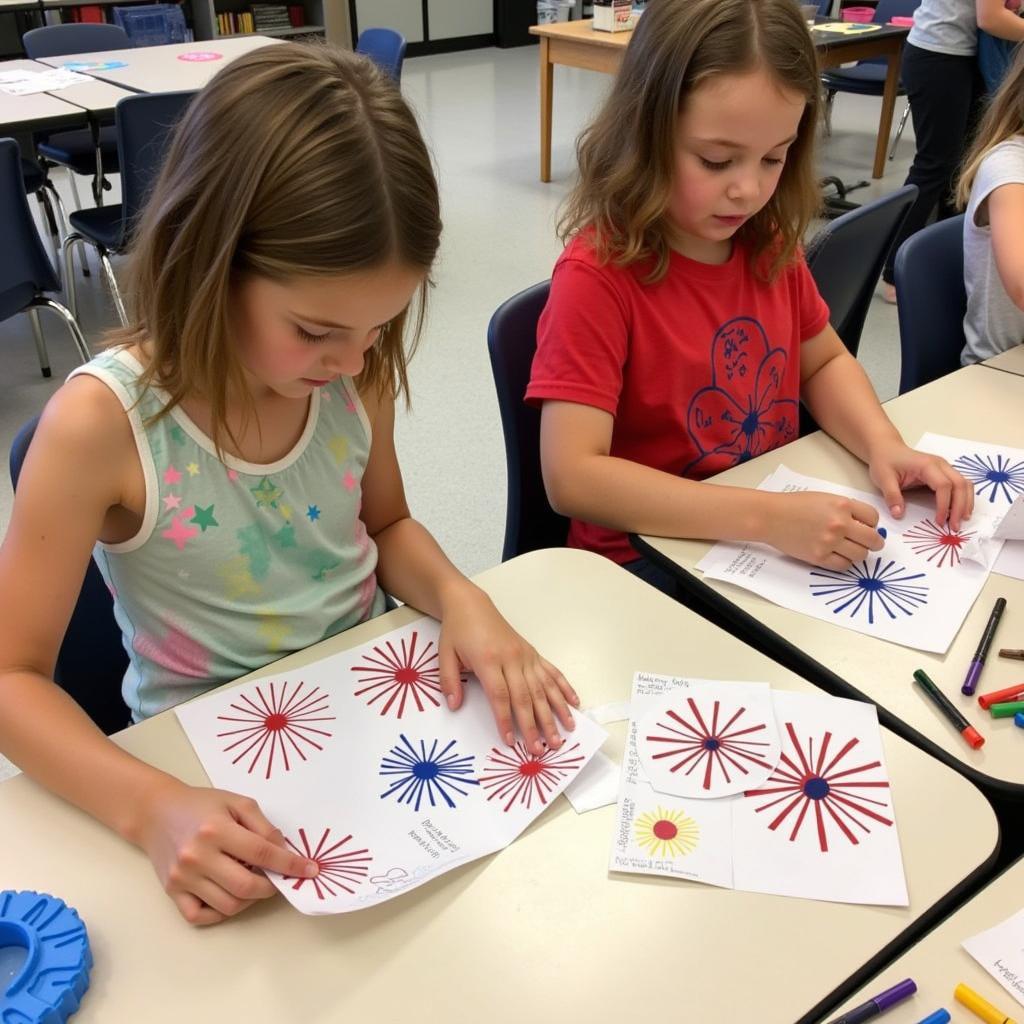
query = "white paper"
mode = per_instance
[
  {"x": 1011, "y": 560},
  {"x": 1000, "y": 950},
  {"x": 27, "y": 82},
  {"x": 361, "y": 765},
  {"x": 596, "y": 785},
  {"x": 915, "y": 591},
  {"x": 821, "y": 826}
]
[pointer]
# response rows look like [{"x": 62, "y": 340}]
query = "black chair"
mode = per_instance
[
  {"x": 26, "y": 273},
  {"x": 530, "y": 521},
  {"x": 385, "y": 47},
  {"x": 931, "y": 301},
  {"x": 37, "y": 183},
  {"x": 92, "y": 660},
  {"x": 847, "y": 256},
  {"x": 82, "y": 151},
  {"x": 144, "y": 127}
]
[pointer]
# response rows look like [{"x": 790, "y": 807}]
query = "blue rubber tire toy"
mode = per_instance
[{"x": 49, "y": 985}]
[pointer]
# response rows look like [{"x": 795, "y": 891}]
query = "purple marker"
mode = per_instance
[
  {"x": 978, "y": 663},
  {"x": 879, "y": 1004}
]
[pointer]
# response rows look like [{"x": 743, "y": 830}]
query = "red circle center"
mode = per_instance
[
  {"x": 531, "y": 768},
  {"x": 276, "y": 721},
  {"x": 665, "y": 829},
  {"x": 951, "y": 540},
  {"x": 406, "y": 676}
]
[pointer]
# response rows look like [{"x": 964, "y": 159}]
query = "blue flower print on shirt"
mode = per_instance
[{"x": 741, "y": 414}]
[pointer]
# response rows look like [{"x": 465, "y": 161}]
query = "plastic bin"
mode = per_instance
[
  {"x": 153, "y": 24},
  {"x": 858, "y": 13}
]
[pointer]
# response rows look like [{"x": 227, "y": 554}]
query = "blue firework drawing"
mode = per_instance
[
  {"x": 996, "y": 474},
  {"x": 888, "y": 588},
  {"x": 435, "y": 774}
]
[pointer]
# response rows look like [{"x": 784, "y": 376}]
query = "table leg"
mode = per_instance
[
  {"x": 547, "y": 78},
  {"x": 892, "y": 81}
]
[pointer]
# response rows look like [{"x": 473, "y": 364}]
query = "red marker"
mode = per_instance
[{"x": 998, "y": 696}]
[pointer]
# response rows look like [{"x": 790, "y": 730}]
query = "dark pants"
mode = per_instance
[{"x": 945, "y": 95}]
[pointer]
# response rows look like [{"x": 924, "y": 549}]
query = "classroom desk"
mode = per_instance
[
  {"x": 938, "y": 963},
  {"x": 36, "y": 110},
  {"x": 575, "y": 44},
  {"x": 1012, "y": 361},
  {"x": 535, "y": 930},
  {"x": 972, "y": 403},
  {"x": 158, "y": 68}
]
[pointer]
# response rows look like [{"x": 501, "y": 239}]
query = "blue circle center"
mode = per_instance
[
  {"x": 816, "y": 789},
  {"x": 749, "y": 424},
  {"x": 869, "y": 583},
  {"x": 998, "y": 476},
  {"x": 425, "y": 770},
  {"x": 711, "y": 743}
]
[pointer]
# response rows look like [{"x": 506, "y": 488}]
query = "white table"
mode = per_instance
[
  {"x": 36, "y": 110},
  {"x": 539, "y": 930},
  {"x": 159, "y": 69},
  {"x": 972, "y": 403},
  {"x": 938, "y": 963},
  {"x": 1012, "y": 361}
]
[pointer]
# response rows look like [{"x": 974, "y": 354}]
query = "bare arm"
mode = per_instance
[
  {"x": 994, "y": 18},
  {"x": 1005, "y": 210}
]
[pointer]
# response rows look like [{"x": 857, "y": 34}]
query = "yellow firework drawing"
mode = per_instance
[{"x": 666, "y": 833}]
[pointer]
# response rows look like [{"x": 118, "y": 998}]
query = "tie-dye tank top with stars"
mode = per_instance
[{"x": 236, "y": 564}]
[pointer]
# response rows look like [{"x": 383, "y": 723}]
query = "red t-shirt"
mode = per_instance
[{"x": 701, "y": 370}]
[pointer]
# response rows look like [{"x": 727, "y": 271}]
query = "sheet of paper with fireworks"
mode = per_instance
[
  {"x": 822, "y": 825},
  {"x": 1000, "y": 950},
  {"x": 361, "y": 765},
  {"x": 916, "y": 591}
]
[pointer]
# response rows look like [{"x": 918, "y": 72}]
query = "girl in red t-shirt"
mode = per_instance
[{"x": 683, "y": 326}]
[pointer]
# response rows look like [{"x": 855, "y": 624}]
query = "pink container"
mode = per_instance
[
  {"x": 902, "y": 22},
  {"x": 858, "y": 13}
]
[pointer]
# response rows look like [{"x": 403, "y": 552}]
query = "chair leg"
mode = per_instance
[
  {"x": 899, "y": 130},
  {"x": 114, "y": 290},
  {"x": 43, "y": 301},
  {"x": 78, "y": 205},
  {"x": 52, "y": 231},
  {"x": 830, "y": 96},
  {"x": 37, "y": 331},
  {"x": 67, "y": 247}
]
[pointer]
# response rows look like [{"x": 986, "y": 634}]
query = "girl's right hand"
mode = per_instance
[
  {"x": 826, "y": 530},
  {"x": 200, "y": 842}
]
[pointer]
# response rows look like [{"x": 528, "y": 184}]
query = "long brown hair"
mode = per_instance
[
  {"x": 627, "y": 154},
  {"x": 1003, "y": 118},
  {"x": 295, "y": 160}
]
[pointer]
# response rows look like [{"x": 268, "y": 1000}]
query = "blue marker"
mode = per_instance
[
  {"x": 938, "y": 1017},
  {"x": 1018, "y": 719}
]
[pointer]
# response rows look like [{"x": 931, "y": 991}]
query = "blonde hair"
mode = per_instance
[
  {"x": 627, "y": 154},
  {"x": 1003, "y": 118},
  {"x": 295, "y": 160}
]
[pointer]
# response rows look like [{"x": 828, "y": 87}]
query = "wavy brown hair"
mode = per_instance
[
  {"x": 1003, "y": 118},
  {"x": 295, "y": 160},
  {"x": 627, "y": 154}
]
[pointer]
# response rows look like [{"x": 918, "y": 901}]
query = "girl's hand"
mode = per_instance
[
  {"x": 823, "y": 529},
  {"x": 895, "y": 467},
  {"x": 200, "y": 841},
  {"x": 518, "y": 682}
]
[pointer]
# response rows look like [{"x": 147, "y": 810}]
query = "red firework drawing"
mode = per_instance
[
  {"x": 803, "y": 782},
  {"x": 521, "y": 776},
  {"x": 940, "y": 543},
  {"x": 274, "y": 727},
  {"x": 395, "y": 676},
  {"x": 695, "y": 745},
  {"x": 338, "y": 870}
]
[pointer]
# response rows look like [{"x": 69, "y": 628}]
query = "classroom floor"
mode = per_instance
[{"x": 479, "y": 112}]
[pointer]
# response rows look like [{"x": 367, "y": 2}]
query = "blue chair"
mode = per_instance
[
  {"x": 931, "y": 301},
  {"x": 25, "y": 271},
  {"x": 385, "y": 47},
  {"x": 867, "y": 77},
  {"x": 77, "y": 150},
  {"x": 530, "y": 521},
  {"x": 145, "y": 124},
  {"x": 92, "y": 659}
]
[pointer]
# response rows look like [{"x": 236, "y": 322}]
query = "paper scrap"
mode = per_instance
[{"x": 1000, "y": 950}]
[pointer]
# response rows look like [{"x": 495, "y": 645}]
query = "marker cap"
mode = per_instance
[{"x": 973, "y": 737}]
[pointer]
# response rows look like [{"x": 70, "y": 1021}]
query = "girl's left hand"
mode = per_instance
[
  {"x": 895, "y": 467},
  {"x": 518, "y": 682}
]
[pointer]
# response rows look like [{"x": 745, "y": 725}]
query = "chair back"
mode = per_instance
[
  {"x": 847, "y": 256},
  {"x": 92, "y": 660},
  {"x": 145, "y": 124},
  {"x": 81, "y": 37},
  {"x": 530, "y": 521},
  {"x": 931, "y": 301},
  {"x": 889, "y": 9},
  {"x": 385, "y": 47},
  {"x": 25, "y": 269}
]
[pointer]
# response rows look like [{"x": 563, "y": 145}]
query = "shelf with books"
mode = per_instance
[{"x": 217, "y": 18}]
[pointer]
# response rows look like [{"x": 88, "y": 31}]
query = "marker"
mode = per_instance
[
  {"x": 879, "y": 1004},
  {"x": 974, "y": 671},
  {"x": 1008, "y": 652},
  {"x": 1018, "y": 719},
  {"x": 941, "y": 701},
  {"x": 986, "y": 700},
  {"x": 938, "y": 1017},
  {"x": 1007, "y": 710},
  {"x": 980, "y": 1007}
]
